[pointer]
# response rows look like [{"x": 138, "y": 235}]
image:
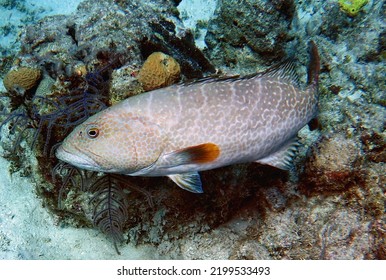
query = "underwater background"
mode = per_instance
[{"x": 62, "y": 61}]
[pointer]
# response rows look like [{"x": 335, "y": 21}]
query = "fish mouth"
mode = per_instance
[{"x": 77, "y": 159}]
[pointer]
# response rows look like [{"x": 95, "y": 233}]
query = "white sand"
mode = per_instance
[
  {"x": 28, "y": 231},
  {"x": 54, "y": 7},
  {"x": 194, "y": 11},
  {"x": 12, "y": 20}
]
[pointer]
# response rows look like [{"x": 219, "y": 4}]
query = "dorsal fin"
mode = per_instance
[
  {"x": 210, "y": 79},
  {"x": 284, "y": 70}
]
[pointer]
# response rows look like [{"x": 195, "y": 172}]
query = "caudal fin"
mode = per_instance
[{"x": 313, "y": 66}]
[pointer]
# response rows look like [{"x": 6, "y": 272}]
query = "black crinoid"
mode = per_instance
[
  {"x": 44, "y": 121},
  {"x": 60, "y": 112},
  {"x": 109, "y": 197}
]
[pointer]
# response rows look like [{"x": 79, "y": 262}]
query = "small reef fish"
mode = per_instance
[{"x": 185, "y": 128}]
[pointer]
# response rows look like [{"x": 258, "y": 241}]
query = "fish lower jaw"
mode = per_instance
[{"x": 76, "y": 160}]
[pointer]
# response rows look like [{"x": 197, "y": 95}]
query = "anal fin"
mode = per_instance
[
  {"x": 282, "y": 158},
  {"x": 188, "y": 181}
]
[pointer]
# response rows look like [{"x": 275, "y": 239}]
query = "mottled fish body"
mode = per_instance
[{"x": 182, "y": 129}]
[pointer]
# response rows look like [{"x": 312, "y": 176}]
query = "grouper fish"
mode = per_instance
[{"x": 185, "y": 128}]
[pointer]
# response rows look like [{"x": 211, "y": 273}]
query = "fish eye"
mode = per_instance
[{"x": 93, "y": 132}]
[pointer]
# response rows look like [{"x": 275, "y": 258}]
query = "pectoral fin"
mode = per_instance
[
  {"x": 188, "y": 181},
  {"x": 203, "y": 153}
]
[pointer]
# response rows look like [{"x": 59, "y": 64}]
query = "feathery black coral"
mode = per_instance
[
  {"x": 56, "y": 114},
  {"x": 66, "y": 111},
  {"x": 110, "y": 207},
  {"x": 109, "y": 202}
]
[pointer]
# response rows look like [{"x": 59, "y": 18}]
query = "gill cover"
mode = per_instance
[{"x": 119, "y": 143}]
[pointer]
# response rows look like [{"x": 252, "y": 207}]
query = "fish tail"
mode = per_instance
[{"x": 313, "y": 67}]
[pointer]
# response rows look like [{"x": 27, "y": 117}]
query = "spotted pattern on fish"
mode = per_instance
[{"x": 180, "y": 130}]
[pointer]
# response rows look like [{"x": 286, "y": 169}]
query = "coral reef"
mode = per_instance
[
  {"x": 53, "y": 112},
  {"x": 159, "y": 70},
  {"x": 59, "y": 43},
  {"x": 195, "y": 18},
  {"x": 124, "y": 83},
  {"x": 331, "y": 205},
  {"x": 246, "y": 35},
  {"x": 22, "y": 79},
  {"x": 328, "y": 173},
  {"x": 108, "y": 205},
  {"x": 75, "y": 85},
  {"x": 352, "y": 7}
]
